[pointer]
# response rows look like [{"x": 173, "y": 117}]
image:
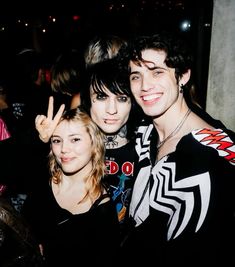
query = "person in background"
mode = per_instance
[
  {"x": 66, "y": 78},
  {"x": 6, "y": 112},
  {"x": 75, "y": 219},
  {"x": 26, "y": 94},
  {"x": 102, "y": 48},
  {"x": 27, "y": 91},
  {"x": 99, "y": 49},
  {"x": 18, "y": 246},
  {"x": 69, "y": 68},
  {"x": 4, "y": 133},
  {"x": 182, "y": 207},
  {"x": 14, "y": 178}
]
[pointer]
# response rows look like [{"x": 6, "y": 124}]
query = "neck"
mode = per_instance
[
  {"x": 116, "y": 140},
  {"x": 175, "y": 130}
]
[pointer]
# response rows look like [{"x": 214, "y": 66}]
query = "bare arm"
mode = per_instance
[{"x": 45, "y": 125}]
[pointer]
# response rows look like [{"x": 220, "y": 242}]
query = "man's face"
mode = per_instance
[
  {"x": 109, "y": 111},
  {"x": 153, "y": 84}
]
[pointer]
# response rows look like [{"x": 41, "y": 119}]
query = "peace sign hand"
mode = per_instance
[{"x": 46, "y": 125}]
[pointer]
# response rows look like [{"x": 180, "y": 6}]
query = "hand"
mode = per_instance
[{"x": 46, "y": 125}]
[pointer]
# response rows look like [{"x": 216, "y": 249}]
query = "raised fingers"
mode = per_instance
[
  {"x": 50, "y": 108},
  {"x": 59, "y": 114}
]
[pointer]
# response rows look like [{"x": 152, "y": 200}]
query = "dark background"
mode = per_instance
[{"x": 78, "y": 21}]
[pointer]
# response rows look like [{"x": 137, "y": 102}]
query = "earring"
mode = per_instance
[{"x": 181, "y": 89}]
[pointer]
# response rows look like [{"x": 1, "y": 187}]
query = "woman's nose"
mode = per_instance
[{"x": 65, "y": 147}]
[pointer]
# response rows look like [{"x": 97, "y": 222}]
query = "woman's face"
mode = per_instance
[
  {"x": 72, "y": 147},
  {"x": 109, "y": 111}
]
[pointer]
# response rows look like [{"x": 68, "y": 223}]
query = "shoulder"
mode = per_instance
[
  {"x": 102, "y": 199},
  {"x": 219, "y": 139},
  {"x": 207, "y": 117},
  {"x": 104, "y": 210}
]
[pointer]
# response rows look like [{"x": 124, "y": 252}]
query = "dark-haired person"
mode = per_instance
[
  {"x": 112, "y": 107},
  {"x": 183, "y": 201}
]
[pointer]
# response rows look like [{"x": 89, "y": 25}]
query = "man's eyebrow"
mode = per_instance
[
  {"x": 98, "y": 93},
  {"x": 150, "y": 68},
  {"x": 157, "y": 67},
  {"x": 134, "y": 72}
]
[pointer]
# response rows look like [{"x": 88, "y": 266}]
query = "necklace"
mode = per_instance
[{"x": 178, "y": 127}]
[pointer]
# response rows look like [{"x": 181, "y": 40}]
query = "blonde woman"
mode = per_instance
[{"x": 75, "y": 218}]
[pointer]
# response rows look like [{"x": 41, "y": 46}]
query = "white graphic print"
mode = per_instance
[
  {"x": 218, "y": 140},
  {"x": 169, "y": 196},
  {"x": 139, "y": 206},
  {"x": 142, "y": 144}
]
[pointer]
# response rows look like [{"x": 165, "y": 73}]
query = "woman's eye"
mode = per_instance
[
  {"x": 55, "y": 141},
  {"x": 74, "y": 140}
]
